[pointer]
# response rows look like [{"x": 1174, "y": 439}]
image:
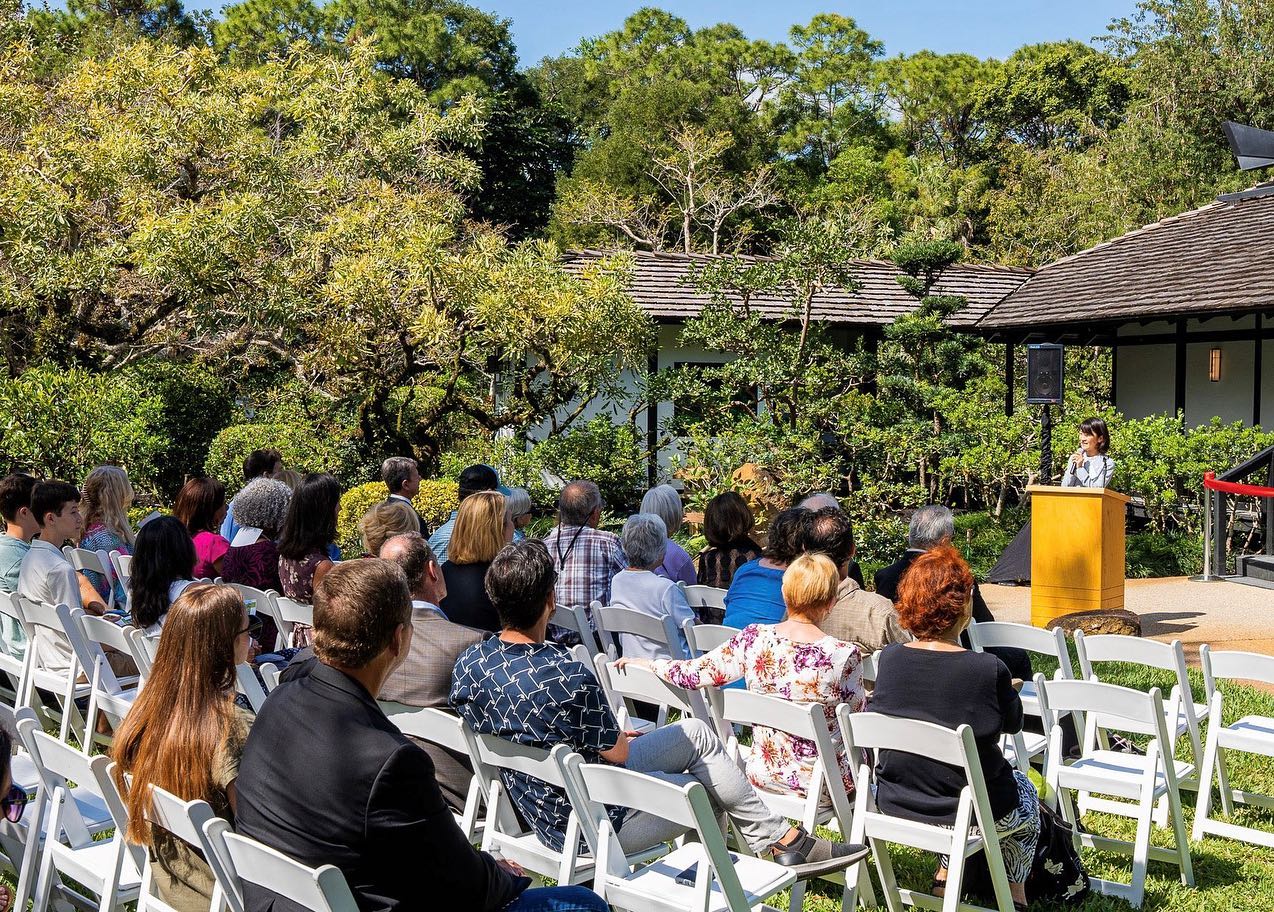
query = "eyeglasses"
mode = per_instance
[{"x": 14, "y": 803}]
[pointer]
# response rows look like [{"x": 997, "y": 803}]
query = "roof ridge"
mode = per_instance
[{"x": 868, "y": 261}]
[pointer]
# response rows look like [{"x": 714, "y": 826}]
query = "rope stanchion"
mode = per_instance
[
  {"x": 1213, "y": 519},
  {"x": 1211, "y": 482}
]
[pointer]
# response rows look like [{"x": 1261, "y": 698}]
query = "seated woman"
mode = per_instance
[
  {"x": 483, "y": 526},
  {"x": 794, "y": 660},
  {"x": 306, "y": 541},
  {"x": 201, "y": 507},
  {"x": 259, "y": 510},
  {"x": 163, "y": 566},
  {"x": 756, "y": 592},
  {"x": 935, "y": 679},
  {"x": 385, "y": 520},
  {"x": 665, "y": 502},
  {"x": 185, "y": 734},
  {"x": 641, "y": 588},
  {"x": 727, "y": 525},
  {"x": 13, "y": 802},
  {"x": 107, "y": 496}
]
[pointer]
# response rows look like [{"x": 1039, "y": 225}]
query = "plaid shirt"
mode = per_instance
[{"x": 586, "y": 560}]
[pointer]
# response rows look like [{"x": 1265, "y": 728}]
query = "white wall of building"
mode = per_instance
[{"x": 1144, "y": 381}]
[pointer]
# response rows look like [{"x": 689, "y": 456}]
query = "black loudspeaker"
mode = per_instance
[{"x": 1044, "y": 368}]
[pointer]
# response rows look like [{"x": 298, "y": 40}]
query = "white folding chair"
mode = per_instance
[
  {"x": 142, "y": 648},
  {"x": 122, "y": 567},
  {"x": 246, "y": 683},
  {"x": 109, "y": 694},
  {"x": 83, "y": 559},
  {"x": 447, "y": 731},
  {"x": 261, "y": 601},
  {"x": 44, "y": 630},
  {"x": 613, "y": 621},
  {"x": 1249, "y": 734},
  {"x": 21, "y": 850},
  {"x": 184, "y": 820},
  {"x": 1022, "y": 747},
  {"x": 1170, "y": 657},
  {"x": 269, "y": 676},
  {"x": 826, "y": 799},
  {"x": 636, "y": 684},
  {"x": 1131, "y": 777},
  {"x": 14, "y": 667},
  {"x": 100, "y": 866},
  {"x": 709, "y": 597},
  {"x": 288, "y": 613},
  {"x": 242, "y": 860},
  {"x": 974, "y": 830},
  {"x": 722, "y": 882},
  {"x": 575, "y": 620},
  {"x": 869, "y": 667},
  {"x": 703, "y": 638}
]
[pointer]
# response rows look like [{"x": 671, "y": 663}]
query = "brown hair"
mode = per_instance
[
  {"x": 385, "y": 520},
  {"x": 726, "y": 519},
  {"x": 810, "y": 584},
  {"x": 198, "y": 503},
  {"x": 357, "y": 607},
  {"x": 184, "y": 713},
  {"x": 933, "y": 595},
  {"x": 478, "y": 534}
]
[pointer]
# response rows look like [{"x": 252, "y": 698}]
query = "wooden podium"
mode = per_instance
[{"x": 1077, "y": 551}]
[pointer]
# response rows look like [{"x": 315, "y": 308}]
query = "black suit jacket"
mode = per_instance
[{"x": 326, "y": 778}]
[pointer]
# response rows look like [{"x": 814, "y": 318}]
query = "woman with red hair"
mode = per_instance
[{"x": 935, "y": 679}]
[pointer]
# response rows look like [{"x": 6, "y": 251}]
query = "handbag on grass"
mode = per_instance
[{"x": 1057, "y": 873}]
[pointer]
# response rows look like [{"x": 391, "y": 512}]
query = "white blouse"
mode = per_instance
[{"x": 1095, "y": 472}]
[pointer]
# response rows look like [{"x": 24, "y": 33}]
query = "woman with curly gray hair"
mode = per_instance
[{"x": 258, "y": 510}]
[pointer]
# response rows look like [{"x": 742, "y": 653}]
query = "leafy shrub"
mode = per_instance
[
  {"x": 436, "y": 500},
  {"x": 304, "y": 447},
  {"x": 1164, "y": 554}
]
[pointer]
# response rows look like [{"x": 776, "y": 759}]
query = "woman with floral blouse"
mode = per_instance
[{"x": 794, "y": 660}]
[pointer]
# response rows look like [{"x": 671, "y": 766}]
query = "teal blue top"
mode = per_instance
[{"x": 12, "y": 550}]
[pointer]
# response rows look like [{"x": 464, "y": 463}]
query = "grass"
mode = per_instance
[{"x": 1229, "y": 875}]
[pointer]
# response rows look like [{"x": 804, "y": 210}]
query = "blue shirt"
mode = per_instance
[
  {"x": 535, "y": 694},
  {"x": 12, "y": 550},
  {"x": 441, "y": 538},
  {"x": 755, "y": 596}
]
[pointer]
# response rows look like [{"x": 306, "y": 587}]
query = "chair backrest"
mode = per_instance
[
  {"x": 40, "y": 620},
  {"x": 288, "y": 613},
  {"x": 269, "y": 676},
  {"x": 1023, "y": 636},
  {"x": 56, "y": 763},
  {"x": 246, "y": 860},
  {"x": 1228, "y": 665},
  {"x": 705, "y": 597},
  {"x": 15, "y": 668},
  {"x": 142, "y": 648},
  {"x": 1110, "y": 647},
  {"x": 428, "y": 724},
  {"x": 122, "y": 565},
  {"x": 1119, "y": 708},
  {"x": 97, "y": 562},
  {"x": 613, "y": 620},
  {"x": 246, "y": 683},
  {"x": 869, "y": 667},
  {"x": 575, "y": 619},
  {"x": 88, "y": 648},
  {"x": 703, "y": 638}
]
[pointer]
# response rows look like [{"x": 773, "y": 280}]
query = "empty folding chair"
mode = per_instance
[
  {"x": 613, "y": 621},
  {"x": 1130, "y": 777},
  {"x": 242, "y": 860},
  {"x": 636, "y": 684},
  {"x": 1249, "y": 734},
  {"x": 707, "y": 601},
  {"x": 71, "y": 858},
  {"x": 98, "y": 562},
  {"x": 575, "y": 620},
  {"x": 720, "y": 881},
  {"x": 446, "y": 731},
  {"x": 703, "y": 638},
  {"x": 974, "y": 830},
  {"x": 1021, "y": 748}
]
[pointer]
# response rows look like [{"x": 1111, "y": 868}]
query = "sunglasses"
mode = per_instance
[{"x": 14, "y": 803}]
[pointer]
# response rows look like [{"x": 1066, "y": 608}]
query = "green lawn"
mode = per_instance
[{"x": 1229, "y": 875}]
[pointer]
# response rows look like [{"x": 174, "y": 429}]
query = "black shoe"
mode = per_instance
[{"x": 812, "y": 856}]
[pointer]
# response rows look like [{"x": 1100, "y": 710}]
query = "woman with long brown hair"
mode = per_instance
[{"x": 185, "y": 734}]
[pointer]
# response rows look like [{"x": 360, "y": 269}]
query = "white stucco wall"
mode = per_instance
[{"x": 1144, "y": 380}]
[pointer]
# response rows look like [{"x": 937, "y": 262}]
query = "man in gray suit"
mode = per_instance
[{"x": 424, "y": 677}]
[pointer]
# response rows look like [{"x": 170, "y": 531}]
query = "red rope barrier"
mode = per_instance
[{"x": 1231, "y": 487}]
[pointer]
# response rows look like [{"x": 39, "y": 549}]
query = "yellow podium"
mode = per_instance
[{"x": 1077, "y": 551}]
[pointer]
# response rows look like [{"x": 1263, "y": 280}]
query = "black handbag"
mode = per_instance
[{"x": 1057, "y": 873}]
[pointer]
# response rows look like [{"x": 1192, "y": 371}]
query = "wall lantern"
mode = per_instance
[{"x": 1214, "y": 365}]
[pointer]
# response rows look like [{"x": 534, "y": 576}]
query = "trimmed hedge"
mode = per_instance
[{"x": 436, "y": 500}]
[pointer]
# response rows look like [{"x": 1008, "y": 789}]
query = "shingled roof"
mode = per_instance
[
  {"x": 659, "y": 287},
  {"x": 1212, "y": 261}
]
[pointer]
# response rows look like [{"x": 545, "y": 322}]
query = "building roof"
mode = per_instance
[
  {"x": 1213, "y": 261},
  {"x": 659, "y": 288}
]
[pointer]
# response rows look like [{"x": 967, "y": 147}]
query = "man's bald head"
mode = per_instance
[{"x": 412, "y": 553}]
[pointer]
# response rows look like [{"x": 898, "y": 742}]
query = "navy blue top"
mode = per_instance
[{"x": 755, "y": 596}]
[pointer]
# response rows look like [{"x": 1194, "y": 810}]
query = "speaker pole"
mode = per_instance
[{"x": 1046, "y": 446}]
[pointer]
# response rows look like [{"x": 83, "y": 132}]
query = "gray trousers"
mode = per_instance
[{"x": 690, "y": 751}]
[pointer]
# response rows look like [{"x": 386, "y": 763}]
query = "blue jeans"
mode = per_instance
[{"x": 558, "y": 899}]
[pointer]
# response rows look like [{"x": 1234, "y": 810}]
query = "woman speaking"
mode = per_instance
[{"x": 1090, "y": 467}]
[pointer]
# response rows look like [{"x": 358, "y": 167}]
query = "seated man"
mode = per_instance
[
  {"x": 326, "y": 778},
  {"x": 821, "y": 501},
  {"x": 424, "y": 677},
  {"x": 518, "y": 687},
  {"x": 860, "y": 617}
]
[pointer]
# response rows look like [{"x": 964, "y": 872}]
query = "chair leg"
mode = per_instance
[
  {"x": 1141, "y": 847},
  {"x": 1182, "y": 839},
  {"x": 1223, "y": 780},
  {"x": 31, "y": 853},
  {"x": 1203, "y": 806},
  {"x": 888, "y": 880}
]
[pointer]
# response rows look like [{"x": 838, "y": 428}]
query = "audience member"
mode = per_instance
[
  {"x": 756, "y": 592},
  {"x": 664, "y": 501},
  {"x": 371, "y": 805},
  {"x": 253, "y": 557},
  {"x": 727, "y": 525},
  {"x": 860, "y": 617},
  {"x": 424, "y": 677},
  {"x": 823, "y": 501},
  {"x": 385, "y": 520},
  {"x": 47, "y": 576},
  {"x": 163, "y": 567},
  {"x": 933, "y": 526},
  {"x": 640, "y": 588},
  {"x": 482, "y": 528},
  {"x": 586, "y": 559},
  {"x": 518, "y": 503},
  {"x": 530, "y": 692},
  {"x": 308, "y": 532},
  {"x": 290, "y": 477},
  {"x": 104, "y": 505},
  {"x": 935, "y": 679},
  {"x": 201, "y": 508},
  {"x": 13, "y": 802},
  {"x": 472, "y": 480},
  {"x": 20, "y": 527},
  {"x": 185, "y": 734},
  {"x": 795, "y": 660},
  {"x": 401, "y": 475},
  {"x": 258, "y": 464}
]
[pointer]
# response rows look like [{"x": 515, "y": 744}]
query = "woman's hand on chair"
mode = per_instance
[{"x": 637, "y": 663}]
